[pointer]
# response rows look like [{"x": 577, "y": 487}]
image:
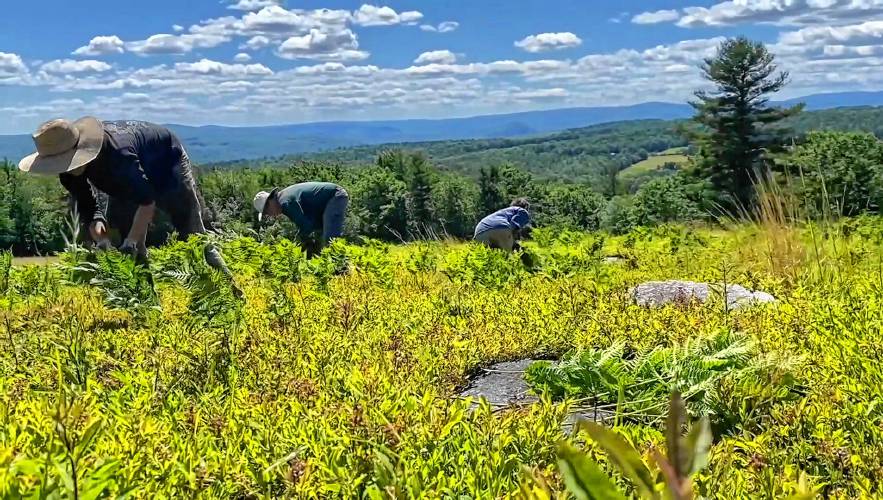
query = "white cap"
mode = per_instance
[{"x": 260, "y": 202}]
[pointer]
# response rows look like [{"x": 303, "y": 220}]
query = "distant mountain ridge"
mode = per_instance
[{"x": 218, "y": 143}]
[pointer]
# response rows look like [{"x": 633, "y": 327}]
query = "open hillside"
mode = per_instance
[{"x": 580, "y": 155}]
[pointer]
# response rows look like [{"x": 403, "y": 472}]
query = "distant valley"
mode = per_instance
[{"x": 211, "y": 144}]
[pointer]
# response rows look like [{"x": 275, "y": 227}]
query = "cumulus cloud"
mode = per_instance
[
  {"x": 256, "y": 43},
  {"x": 209, "y": 67},
  {"x": 251, "y": 5},
  {"x": 545, "y": 42},
  {"x": 242, "y": 57},
  {"x": 101, "y": 46},
  {"x": 371, "y": 15},
  {"x": 436, "y": 57},
  {"x": 445, "y": 27},
  {"x": 338, "y": 46},
  {"x": 11, "y": 65},
  {"x": 656, "y": 17},
  {"x": 67, "y": 66},
  {"x": 782, "y": 12},
  {"x": 175, "y": 44}
]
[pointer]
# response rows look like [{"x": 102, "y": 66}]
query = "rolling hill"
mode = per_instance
[{"x": 210, "y": 144}]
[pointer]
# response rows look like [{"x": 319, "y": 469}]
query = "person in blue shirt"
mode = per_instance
[
  {"x": 504, "y": 228},
  {"x": 314, "y": 207}
]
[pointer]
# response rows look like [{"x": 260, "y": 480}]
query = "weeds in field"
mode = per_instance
[{"x": 337, "y": 376}]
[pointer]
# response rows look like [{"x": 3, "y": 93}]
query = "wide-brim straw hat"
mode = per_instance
[{"x": 63, "y": 146}]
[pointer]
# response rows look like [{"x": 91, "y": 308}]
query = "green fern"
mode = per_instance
[{"x": 635, "y": 382}]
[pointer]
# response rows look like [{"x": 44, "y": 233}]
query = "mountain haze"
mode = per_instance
[{"x": 209, "y": 144}]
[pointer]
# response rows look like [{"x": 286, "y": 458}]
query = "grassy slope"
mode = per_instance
[
  {"x": 654, "y": 162},
  {"x": 339, "y": 387}
]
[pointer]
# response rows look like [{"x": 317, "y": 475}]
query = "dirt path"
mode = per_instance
[{"x": 31, "y": 261}]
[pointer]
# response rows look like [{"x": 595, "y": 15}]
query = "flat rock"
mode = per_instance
[
  {"x": 660, "y": 293},
  {"x": 503, "y": 385}
]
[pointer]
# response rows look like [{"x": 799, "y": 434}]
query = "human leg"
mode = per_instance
[{"x": 334, "y": 216}]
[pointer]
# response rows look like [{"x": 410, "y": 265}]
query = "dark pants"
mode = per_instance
[
  {"x": 334, "y": 215},
  {"x": 184, "y": 205}
]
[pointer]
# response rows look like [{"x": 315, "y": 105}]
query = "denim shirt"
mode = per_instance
[{"x": 507, "y": 218}]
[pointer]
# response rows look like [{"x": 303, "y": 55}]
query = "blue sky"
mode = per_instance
[{"x": 255, "y": 62}]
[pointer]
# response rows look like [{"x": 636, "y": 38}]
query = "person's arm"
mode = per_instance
[
  {"x": 295, "y": 212},
  {"x": 145, "y": 197},
  {"x": 89, "y": 206},
  {"x": 520, "y": 221}
]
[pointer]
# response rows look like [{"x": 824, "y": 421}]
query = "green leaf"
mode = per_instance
[
  {"x": 625, "y": 456},
  {"x": 699, "y": 443},
  {"x": 86, "y": 440},
  {"x": 583, "y": 477},
  {"x": 678, "y": 457}
]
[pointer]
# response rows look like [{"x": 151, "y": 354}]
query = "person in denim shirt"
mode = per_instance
[{"x": 504, "y": 228}]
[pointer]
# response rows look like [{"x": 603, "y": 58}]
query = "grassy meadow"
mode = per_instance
[
  {"x": 655, "y": 162},
  {"x": 338, "y": 376}
]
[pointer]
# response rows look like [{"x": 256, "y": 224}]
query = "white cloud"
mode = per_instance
[
  {"x": 177, "y": 28},
  {"x": 371, "y": 15},
  {"x": 242, "y": 57},
  {"x": 101, "y": 46},
  {"x": 275, "y": 19},
  {"x": 11, "y": 65},
  {"x": 864, "y": 33},
  {"x": 539, "y": 94},
  {"x": 436, "y": 57},
  {"x": 251, "y": 5},
  {"x": 655, "y": 17},
  {"x": 256, "y": 43},
  {"x": 175, "y": 44},
  {"x": 338, "y": 46},
  {"x": 67, "y": 66},
  {"x": 782, "y": 12},
  {"x": 209, "y": 67},
  {"x": 549, "y": 41},
  {"x": 445, "y": 27}
]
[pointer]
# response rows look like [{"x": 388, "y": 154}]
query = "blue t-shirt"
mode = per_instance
[{"x": 507, "y": 218}]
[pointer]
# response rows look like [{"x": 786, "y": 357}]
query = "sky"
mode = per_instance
[{"x": 263, "y": 62}]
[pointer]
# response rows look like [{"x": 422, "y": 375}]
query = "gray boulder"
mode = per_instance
[{"x": 660, "y": 293}]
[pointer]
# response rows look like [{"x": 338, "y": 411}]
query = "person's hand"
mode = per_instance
[
  {"x": 133, "y": 248},
  {"x": 103, "y": 244},
  {"x": 98, "y": 231}
]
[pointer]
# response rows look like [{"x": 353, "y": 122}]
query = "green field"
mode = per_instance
[
  {"x": 338, "y": 376},
  {"x": 655, "y": 162}
]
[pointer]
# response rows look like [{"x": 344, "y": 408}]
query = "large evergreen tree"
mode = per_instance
[{"x": 738, "y": 125}]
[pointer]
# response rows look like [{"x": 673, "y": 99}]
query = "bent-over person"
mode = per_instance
[
  {"x": 504, "y": 228},
  {"x": 140, "y": 163},
  {"x": 314, "y": 207}
]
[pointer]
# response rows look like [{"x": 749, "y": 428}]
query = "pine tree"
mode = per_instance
[{"x": 739, "y": 125}]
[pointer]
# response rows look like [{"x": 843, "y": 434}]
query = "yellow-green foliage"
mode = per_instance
[{"x": 336, "y": 377}]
